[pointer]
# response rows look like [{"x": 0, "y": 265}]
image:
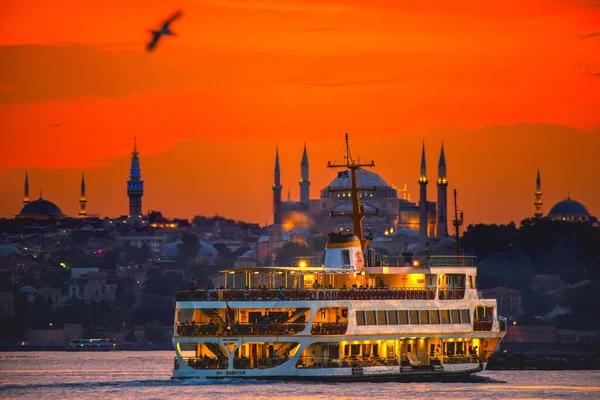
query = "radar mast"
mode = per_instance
[{"x": 358, "y": 210}]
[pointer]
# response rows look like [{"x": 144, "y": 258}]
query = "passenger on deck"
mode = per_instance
[{"x": 193, "y": 284}]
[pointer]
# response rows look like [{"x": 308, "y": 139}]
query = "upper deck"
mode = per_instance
[{"x": 421, "y": 278}]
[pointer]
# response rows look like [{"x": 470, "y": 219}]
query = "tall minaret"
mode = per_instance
[
  {"x": 277, "y": 212},
  {"x": 135, "y": 185},
  {"x": 423, "y": 223},
  {"x": 82, "y": 199},
  {"x": 304, "y": 182},
  {"x": 26, "y": 190},
  {"x": 538, "y": 196},
  {"x": 442, "y": 198}
]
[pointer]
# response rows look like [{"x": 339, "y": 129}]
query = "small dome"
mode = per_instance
[
  {"x": 249, "y": 253},
  {"x": 8, "y": 251},
  {"x": 206, "y": 250},
  {"x": 41, "y": 207},
  {"x": 568, "y": 207},
  {"x": 366, "y": 179},
  {"x": 406, "y": 232},
  {"x": 28, "y": 289}
]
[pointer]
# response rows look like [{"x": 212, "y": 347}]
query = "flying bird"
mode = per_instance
[
  {"x": 164, "y": 30},
  {"x": 57, "y": 124}
]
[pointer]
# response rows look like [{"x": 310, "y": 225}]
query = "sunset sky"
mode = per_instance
[{"x": 508, "y": 86}]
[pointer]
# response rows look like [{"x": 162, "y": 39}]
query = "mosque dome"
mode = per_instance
[
  {"x": 249, "y": 253},
  {"x": 568, "y": 207},
  {"x": 27, "y": 289},
  {"x": 206, "y": 250},
  {"x": 41, "y": 209},
  {"x": 9, "y": 251},
  {"x": 406, "y": 232},
  {"x": 366, "y": 179}
]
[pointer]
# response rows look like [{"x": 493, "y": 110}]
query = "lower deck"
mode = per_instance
[{"x": 310, "y": 357}]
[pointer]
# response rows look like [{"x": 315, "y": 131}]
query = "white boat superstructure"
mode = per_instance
[
  {"x": 421, "y": 321},
  {"x": 342, "y": 320}
]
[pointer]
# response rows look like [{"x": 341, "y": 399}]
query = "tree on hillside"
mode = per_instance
[{"x": 484, "y": 239}]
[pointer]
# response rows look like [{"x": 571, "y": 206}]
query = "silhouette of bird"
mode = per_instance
[
  {"x": 164, "y": 30},
  {"x": 57, "y": 124}
]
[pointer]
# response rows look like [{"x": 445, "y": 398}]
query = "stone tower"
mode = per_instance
[
  {"x": 277, "y": 211},
  {"x": 304, "y": 181},
  {"x": 423, "y": 220},
  {"x": 82, "y": 199},
  {"x": 538, "y": 203},
  {"x": 135, "y": 185},
  {"x": 442, "y": 197},
  {"x": 26, "y": 190}
]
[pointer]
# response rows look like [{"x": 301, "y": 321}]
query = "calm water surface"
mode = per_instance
[{"x": 141, "y": 375}]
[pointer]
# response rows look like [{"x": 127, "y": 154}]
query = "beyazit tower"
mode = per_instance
[{"x": 135, "y": 186}]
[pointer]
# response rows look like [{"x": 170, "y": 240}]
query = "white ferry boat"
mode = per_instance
[{"x": 340, "y": 321}]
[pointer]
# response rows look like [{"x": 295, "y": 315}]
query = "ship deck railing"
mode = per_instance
[
  {"x": 345, "y": 362},
  {"x": 446, "y": 261},
  {"x": 238, "y": 329},
  {"x": 483, "y": 325},
  {"x": 404, "y": 293}
]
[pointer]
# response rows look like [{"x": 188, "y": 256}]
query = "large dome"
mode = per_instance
[
  {"x": 568, "y": 207},
  {"x": 41, "y": 209},
  {"x": 366, "y": 179}
]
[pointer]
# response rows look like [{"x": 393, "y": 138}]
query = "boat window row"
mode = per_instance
[{"x": 412, "y": 317}]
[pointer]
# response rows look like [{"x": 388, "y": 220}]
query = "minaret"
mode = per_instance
[
  {"x": 442, "y": 198},
  {"x": 538, "y": 196},
  {"x": 277, "y": 217},
  {"x": 135, "y": 185},
  {"x": 304, "y": 182},
  {"x": 26, "y": 190},
  {"x": 82, "y": 199},
  {"x": 423, "y": 223}
]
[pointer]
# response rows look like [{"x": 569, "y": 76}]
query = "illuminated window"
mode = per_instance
[{"x": 346, "y": 257}]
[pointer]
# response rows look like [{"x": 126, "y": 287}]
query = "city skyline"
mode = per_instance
[
  {"x": 475, "y": 191},
  {"x": 211, "y": 104}
]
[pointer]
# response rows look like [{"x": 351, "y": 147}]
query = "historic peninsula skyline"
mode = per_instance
[{"x": 212, "y": 104}]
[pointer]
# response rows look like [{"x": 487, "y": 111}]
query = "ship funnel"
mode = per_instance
[{"x": 344, "y": 251}]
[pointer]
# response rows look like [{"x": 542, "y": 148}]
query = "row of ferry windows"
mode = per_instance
[{"x": 413, "y": 317}]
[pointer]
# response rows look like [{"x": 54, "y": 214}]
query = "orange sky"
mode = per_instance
[{"x": 508, "y": 86}]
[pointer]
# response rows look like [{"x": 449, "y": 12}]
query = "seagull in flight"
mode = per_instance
[
  {"x": 57, "y": 124},
  {"x": 164, "y": 30}
]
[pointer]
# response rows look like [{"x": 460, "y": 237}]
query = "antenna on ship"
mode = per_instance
[
  {"x": 457, "y": 222},
  {"x": 358, "y": 210}
]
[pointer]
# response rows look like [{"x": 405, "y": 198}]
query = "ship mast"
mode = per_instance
[
  {"x": 358, "y": 210},
  {"x": 457, "y": 222}
]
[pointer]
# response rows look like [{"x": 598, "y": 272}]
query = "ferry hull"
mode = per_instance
[{"x": 389, "y": 374}]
